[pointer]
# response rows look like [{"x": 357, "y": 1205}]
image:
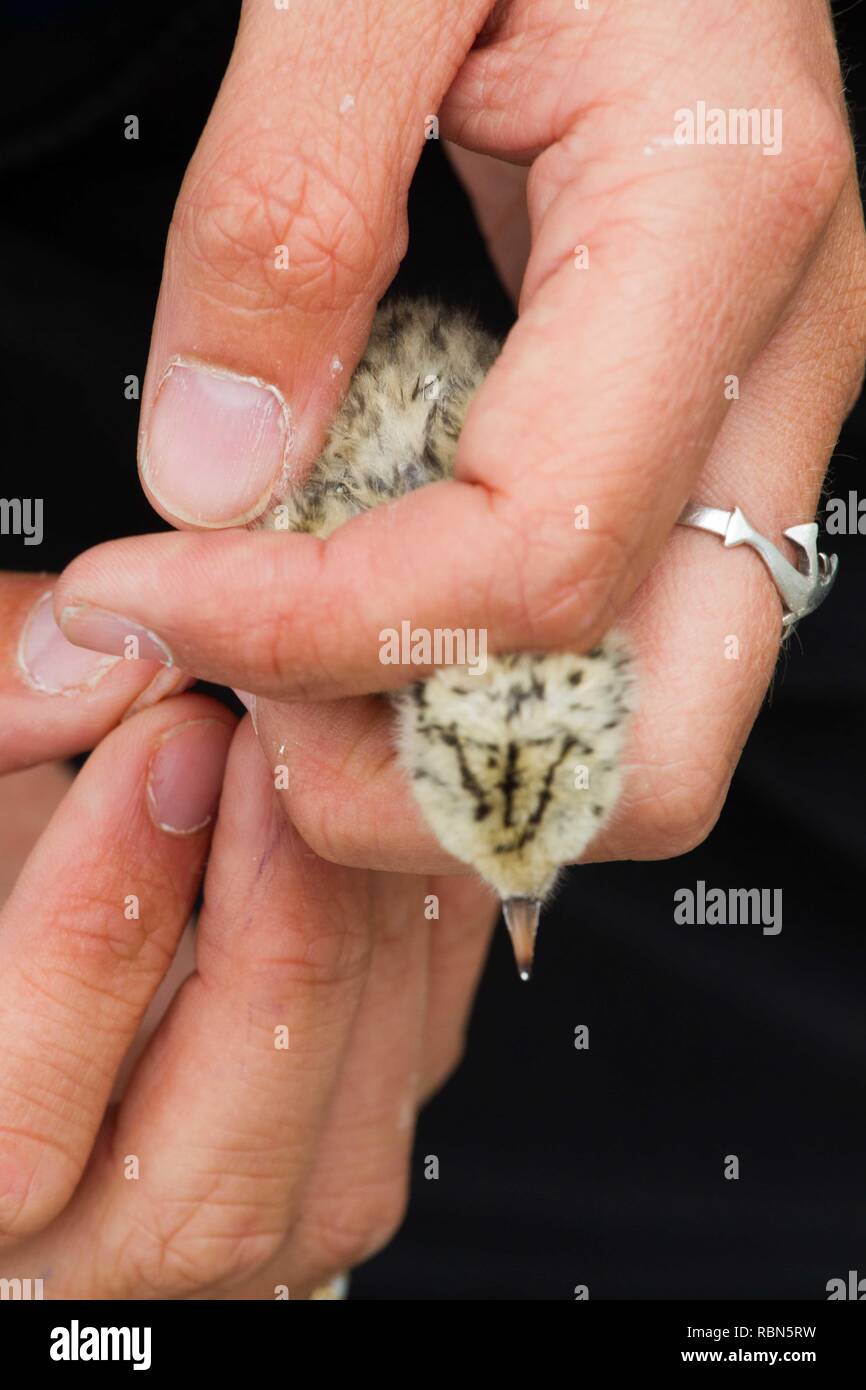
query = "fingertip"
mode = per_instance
[
  {"x": 166, "y": 683},
  {"x": 48, "y": 662},
  {"x": 215, "y": 447},
  {"x": 56, "y": 698},
  {"x": 185, "y": 775}
]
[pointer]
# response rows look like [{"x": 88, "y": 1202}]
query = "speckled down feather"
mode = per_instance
[{"x": 514, "y": 768}]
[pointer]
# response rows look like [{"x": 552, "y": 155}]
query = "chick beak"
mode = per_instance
[{"x": 521, "y": 919}]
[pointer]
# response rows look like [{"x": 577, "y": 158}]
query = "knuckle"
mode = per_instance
[
  {"x": 354, "y": 1227},
  {"x": 175, "y": 1269},
  {"x": 329, "y": 949},
  {"x": 321, "y": 812},
  {"x": 274, "y": 228},
  {"x": 37, "y": 1178},
  {"x": 98, "y": 943},
  {"x": 577, "y": 599},
  {"x": 191, "y": 1254},
  {"x": 815, "y": 160},
  {"x": 559, "y": 593},
  {"x": 682, "y": 814},
  {"x": 333, "y": 957}
]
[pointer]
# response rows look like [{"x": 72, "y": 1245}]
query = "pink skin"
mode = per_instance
[
  {"x": 705, "y": 262},
  {"x": 313, "y": 1156},
  {"x": 260, "y": 1165},
  {"x": 54, "y": 704}
]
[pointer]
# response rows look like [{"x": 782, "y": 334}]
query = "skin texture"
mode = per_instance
[
  {"x": 609, "y": 394},
  {"x": 258, "y": 1166}
]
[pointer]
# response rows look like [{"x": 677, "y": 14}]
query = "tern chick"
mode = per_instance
[{"x": 516, "y": 767}]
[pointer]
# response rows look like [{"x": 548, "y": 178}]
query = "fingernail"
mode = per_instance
[
  {"x": 249, "y": 703},
  {"x": 168, "y": 681},
  {"x": 48, "y": 662},
  {"x": 185, "y": 775},
  {"x": 215, "y": 445},
  {"x": 109, "y": 632}
]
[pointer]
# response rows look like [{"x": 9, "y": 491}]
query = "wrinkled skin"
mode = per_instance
[{"x": 705, "y": 262}]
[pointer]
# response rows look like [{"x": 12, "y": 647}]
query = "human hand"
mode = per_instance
[
  {"x": 57, "y": 700},
  {"x": 262, "y": 1142},
  {"x": 706, "y": 263}
]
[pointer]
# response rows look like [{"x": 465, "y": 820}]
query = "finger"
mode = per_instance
[
  {"x": 86, "y": 936},
  {"x": 406, "y": 1042},
  {"x": 28, "y": 800},
  {"x": 517, "y": 86},
  {"x": 459, "y": 941},
  {"x": 320, "y": 614},
  {"x": 57, "y": 699},
  {"x": 497, "y": 191},
  {"x": 664, "y": 306},
  {"x": 337, "y": 770},
  {"x": 227, "y": 1103},
  {"x": 655, "y": 323},
  {"x": 356, "y": 1197},
  {"x": 289, "y": 226},
  {"x": 431, "y": 940},
  {"x": 706, "y": 624}
]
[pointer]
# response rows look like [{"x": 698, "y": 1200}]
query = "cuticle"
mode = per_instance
[
  {"x": 27, "y": 677},
  {"x": 158, "y": 743},
  {"x": 278, "y": 485}
]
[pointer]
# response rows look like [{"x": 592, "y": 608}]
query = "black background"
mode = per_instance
[{"x": 558, "y": 1167}]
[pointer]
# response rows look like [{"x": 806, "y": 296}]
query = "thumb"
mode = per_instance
[{"x": 290, "y": 224}]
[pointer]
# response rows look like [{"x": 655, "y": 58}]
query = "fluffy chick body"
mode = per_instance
[
  {"x": 514, "y": 768},
  {"x": 398, "y": 425}
]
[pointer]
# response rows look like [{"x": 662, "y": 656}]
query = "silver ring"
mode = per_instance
[{"x": 803, "y": 587}]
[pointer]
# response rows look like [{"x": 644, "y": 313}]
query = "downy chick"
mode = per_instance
[{"x": 514, "y": 768}]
